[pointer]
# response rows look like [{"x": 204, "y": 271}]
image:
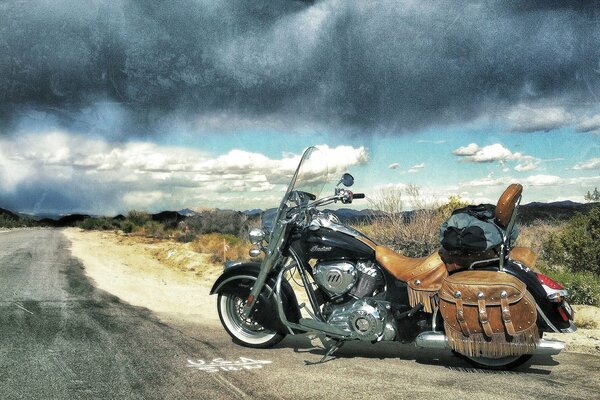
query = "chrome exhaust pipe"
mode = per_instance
[{"x": 438, "y": 340}]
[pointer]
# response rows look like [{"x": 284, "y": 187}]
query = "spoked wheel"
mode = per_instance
[
  {"x": 244, "y": 331},
  {"x": 498, "y": 363}
]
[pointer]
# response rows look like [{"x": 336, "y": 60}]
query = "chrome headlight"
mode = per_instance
[{"x": 256, "y": 236}]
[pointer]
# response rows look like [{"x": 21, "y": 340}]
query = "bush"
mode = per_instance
[
  {"x": 137, "y": 218},
  {"x": 153, "y": 229},
  {"x": 100, "y": 223},
  {"x": 7, "y": 222},
  {"x": 413, "y": 233},
  {"x": 536, "y": 234},
  {"x": 583, "y": 287},
  {"x": 222, "y": 247},
  {"x": 217, "y": 221},
  {"x": 577, "y": 246}
]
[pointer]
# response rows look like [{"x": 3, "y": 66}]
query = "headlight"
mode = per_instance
[{"x": 256, "y": 236}]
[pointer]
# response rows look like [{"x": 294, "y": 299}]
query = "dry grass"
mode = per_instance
[
  {"x": 413, "y": 235},
  {"x": 222, "y": 247},
  {"x": 535, "y": 234}
]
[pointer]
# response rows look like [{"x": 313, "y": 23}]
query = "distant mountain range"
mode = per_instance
[{"x": 559, "y": 210}]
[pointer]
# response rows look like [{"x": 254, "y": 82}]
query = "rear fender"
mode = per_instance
[
  {"x": 235, "y": 279},
  {"x": 551, "y": 318}
]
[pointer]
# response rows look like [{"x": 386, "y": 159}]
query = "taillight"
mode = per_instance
[
  {"x": 563, "y": 314},
  {"x": 552, "y": 284}
]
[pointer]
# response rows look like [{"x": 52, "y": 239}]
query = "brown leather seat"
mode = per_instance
[
  {"x": 405, "y": 268},
  {"x": 424, "y": 276}
]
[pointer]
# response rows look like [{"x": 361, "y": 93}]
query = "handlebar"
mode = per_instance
[{"x": 358, "y": 196}]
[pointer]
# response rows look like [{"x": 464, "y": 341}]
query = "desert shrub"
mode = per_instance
[
  {"x": 454, "y": 202},
  {"x": 98, "y": 223},
  {"x": 7, "y": 222},
  {"x": 222, "y": 247},
  {"x": 216, "y": 221},
  {"x": 153, "y": 229},
  {"x": 129, "y": 227},
  {"x": 583, "y": 287},
  {"x": 577, "y": 246},
  {"x": 535, "y": 235},
  {"x": 138, "y": 218},
  {"x": 186, "y": 236},
  {"x": 413, "y": 233}
]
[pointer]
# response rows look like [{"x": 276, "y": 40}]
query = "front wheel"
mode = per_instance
[{"x": 244, "y": 331}]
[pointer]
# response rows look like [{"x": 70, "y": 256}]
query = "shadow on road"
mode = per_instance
[{"x": 408, "y": 352}]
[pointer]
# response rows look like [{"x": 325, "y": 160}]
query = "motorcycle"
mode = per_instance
[{"x": 359, "y": 290}]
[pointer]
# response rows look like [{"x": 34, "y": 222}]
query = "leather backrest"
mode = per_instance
[{"x": 506, "y": 204}]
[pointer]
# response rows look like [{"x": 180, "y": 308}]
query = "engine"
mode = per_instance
[
  {"x": 337, "y": 278},
  {"x": 365, "y": 319},
  {"x": 351, "y": 287}
]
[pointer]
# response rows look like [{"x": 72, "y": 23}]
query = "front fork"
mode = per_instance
[{"x": 272, "y": 257}]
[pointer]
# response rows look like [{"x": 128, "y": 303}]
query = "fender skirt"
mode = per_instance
[{"x": 237, "y": 279}]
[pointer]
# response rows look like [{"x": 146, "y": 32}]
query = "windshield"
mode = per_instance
[
  {"x": 311, "y": 174},
  {"x": 310, "y": 177}
]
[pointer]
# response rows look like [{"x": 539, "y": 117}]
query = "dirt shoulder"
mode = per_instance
[
  {"x": 165, "y": 277},
  {"x": 172, "y": 280}
]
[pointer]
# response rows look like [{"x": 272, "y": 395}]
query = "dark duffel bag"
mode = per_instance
[{"x": 472, "y": 230}]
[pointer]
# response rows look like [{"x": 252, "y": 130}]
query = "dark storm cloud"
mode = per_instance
[{"x": 135, "y": 66}]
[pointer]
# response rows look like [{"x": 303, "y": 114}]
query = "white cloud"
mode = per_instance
[
  {"x": 531, "y": 119},
  {"x": 144, "y": 174},
  {"x": 394, "y": 166},
  {"x": 496, "y": 153},
  {"x": 593, "y": 163},
  {"x": 533, "y": 180},
  {"x": 527, "y": 166},
  {"x": 469, "y": 150},
  {"x": 416, "y": 168},
  {"x": 589, "y": 124},
  {"x": 488, "y": 181},
  {"x": 542, "y": 180},
  {"x": 491, "y": 153}
]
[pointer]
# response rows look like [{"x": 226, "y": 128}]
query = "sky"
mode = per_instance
[{"x": 107, "y": 106}]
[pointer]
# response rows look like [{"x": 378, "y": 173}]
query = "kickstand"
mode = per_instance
[{"x": 329, "y": 354}]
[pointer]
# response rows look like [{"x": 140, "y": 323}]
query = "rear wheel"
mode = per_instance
[
  {"x": 510, "y": 362},
  {"x": 498, "y": 363},
  {"x": 244, "y": 331}
]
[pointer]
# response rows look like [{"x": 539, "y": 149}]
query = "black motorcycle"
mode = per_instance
[{"x": 358, "y": 290}]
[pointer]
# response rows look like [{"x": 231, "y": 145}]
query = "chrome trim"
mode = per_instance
[
  {"x": 555, "y": 295},
  {"x": 434, "y": 319},
  {"x": 311, "y": 295},
  {"x": 550, "y": 324},
  {"x": 572, "y": 328},
  {"x": 280, "y": 312},
  {"x": 236, "y": 277},
  {"x": 483, "y": 261},
  {"x": 432, "y": 340},
  {"x": 339, "y": 227},
  {"x": 229, "y": 264},
  {"x": 256, "y": 235},
  {"x": 438, "y": 340}
]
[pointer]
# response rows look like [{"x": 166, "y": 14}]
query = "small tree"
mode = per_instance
[{"x": 592, "y": 197}]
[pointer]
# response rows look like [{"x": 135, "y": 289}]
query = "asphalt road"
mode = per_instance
[{"x": 61, "y": 338}]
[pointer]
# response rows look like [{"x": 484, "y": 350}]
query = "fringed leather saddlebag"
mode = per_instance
[
  {"x": 425, "y": 283},
  {"x": 488, "y": 314}
]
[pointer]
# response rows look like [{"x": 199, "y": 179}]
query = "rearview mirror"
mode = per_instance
[{"x": 347, "y": 180}]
